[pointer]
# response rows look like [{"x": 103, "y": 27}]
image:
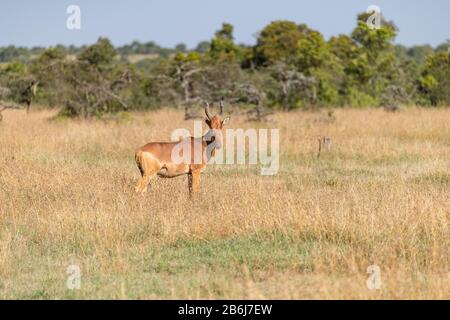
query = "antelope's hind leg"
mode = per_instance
[
  {"x": 148, "y": 166},
  {"x": 143, "y": 183},
  {"x": 193, "y": 182}
]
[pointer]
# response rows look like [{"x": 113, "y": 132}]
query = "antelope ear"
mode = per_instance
[
  {"x": 226, "y": 120},
  {"x": 208, "y": 122}
]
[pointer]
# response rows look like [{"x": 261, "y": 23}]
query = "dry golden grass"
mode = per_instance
[{"x": 380, "y": 196}]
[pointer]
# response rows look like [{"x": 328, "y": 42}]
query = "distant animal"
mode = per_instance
[
  {"x": 156, "y": 158},
  {"x": 324, "y": 145},
  {"x": 391, "y": 108}
]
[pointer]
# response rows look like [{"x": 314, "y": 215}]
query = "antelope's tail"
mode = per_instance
[{"x": 138, "y": 159}]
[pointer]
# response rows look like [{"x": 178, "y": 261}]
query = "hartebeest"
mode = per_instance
[{"x": 157, "y": 158}]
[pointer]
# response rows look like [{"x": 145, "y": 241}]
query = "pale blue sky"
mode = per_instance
[{"x": 168, "y": 22}]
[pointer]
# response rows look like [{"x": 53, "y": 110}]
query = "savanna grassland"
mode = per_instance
[{"x": 380, "y": 196}]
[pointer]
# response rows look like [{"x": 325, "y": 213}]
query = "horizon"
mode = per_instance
[{"x": 158, "y": 22}]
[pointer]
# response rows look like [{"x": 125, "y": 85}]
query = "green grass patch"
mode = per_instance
[
  {"x": 437, "y": 178},
  {"x": 185, "y": 264},
  {"x": 256, "y": 252}
]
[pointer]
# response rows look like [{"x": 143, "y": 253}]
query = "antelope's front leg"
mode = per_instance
[{"x": 193, "y": 182}]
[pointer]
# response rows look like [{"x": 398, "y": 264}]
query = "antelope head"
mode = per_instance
[{"x": 215, "y": 124}]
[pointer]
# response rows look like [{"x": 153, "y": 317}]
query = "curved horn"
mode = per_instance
[
  {"x": 208, "y": 115},
  {"x": 221, "y": 106}
]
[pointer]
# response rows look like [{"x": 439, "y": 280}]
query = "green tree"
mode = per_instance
[
  {"x": 203, "y": 46},
  {"x": 374, "y": 40},
  {"x": 98, "y": 54},
  {"x": 20, "y": 83},
  {"x": 48, "y": 69},
  {"x": 312, "y": 52},
  {"x": 443, "y": 47},
  {"x": 293, "y": 87},
  {"x": 278, "y": 42},
  {"x": 372, "y": 65},
  {"x": 420, "y": 53},
  {"x": 222, "y": 46},
  {"x": 181, "y": 47},
  {"x": 314, "y": 59},
  {"x": 434, "y": 84},
  {"x": 226, "y": 32},
  {"x": 344, "y": 48}
]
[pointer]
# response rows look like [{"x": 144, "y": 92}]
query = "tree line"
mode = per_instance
[{"x": 291, "y": 66}]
